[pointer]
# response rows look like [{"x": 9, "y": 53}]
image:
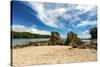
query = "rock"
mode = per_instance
[
  {"x": 93, "y": 44},
  {"x": 73, "y": 40},
  {"x": 55, "y": 39}
]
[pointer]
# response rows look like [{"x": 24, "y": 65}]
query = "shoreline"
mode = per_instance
[
  {"x": 40, "y": 43},
  {"x": 27, "y": 43},
  {"x": 47, "y": 43}
]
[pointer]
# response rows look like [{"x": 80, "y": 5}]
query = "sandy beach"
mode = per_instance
[{"x": 51, "y": 55}]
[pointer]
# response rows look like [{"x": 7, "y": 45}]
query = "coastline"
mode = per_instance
[
  {"x": 54, "y": 51},
  {"x": 41, "y": 43}
]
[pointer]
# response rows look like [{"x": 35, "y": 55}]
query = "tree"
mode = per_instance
[
  {"x": 28, "y": 35},
  {"x": 93, "y": 33}
]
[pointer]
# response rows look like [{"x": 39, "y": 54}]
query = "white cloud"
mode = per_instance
[
  {"x": 21, "y": 28},
  {"x": 18, "y": 26},
  {"x": 42, "y": 15},
  {"x": 87, "y": 23},
  {"x": 48, "y": 17},
  {"x": 85, "y": 8},
  {"x": 34, "y": 30},
  {"x": 73, "y": 13},
  {"x": 48, "y": 13},
  {"x": 85, "y": 34}
]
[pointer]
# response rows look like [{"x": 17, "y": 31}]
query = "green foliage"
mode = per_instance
[
  {"x": 93, "y": 33},
  {"x": 28, "y": 35}
]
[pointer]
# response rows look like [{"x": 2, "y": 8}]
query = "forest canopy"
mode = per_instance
[{"x": 27, "y": 35}]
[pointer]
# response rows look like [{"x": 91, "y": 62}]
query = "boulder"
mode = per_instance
[
  {"x": 55, "y": 39},
  {"x": 73, "y": 40},
  {"x": 93, "y": 44}
]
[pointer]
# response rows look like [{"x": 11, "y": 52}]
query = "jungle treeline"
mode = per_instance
[{"x": 27, "y": 35}]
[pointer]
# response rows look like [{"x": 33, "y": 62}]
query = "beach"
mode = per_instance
[{"x": 34, "y": 55}]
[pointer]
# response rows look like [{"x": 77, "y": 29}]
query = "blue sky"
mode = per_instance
[{"x": 44, "y": 17}]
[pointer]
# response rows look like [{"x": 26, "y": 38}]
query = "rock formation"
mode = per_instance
[
  {"x": 73, "y": 40},
  {"x": 55, "y": 39}
]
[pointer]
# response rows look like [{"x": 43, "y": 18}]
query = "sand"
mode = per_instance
[{"x": 51, "y": 55}]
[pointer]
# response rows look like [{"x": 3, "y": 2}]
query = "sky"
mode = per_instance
[{"x": 44, "y": 17}]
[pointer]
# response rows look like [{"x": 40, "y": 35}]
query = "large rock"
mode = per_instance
[
  {"x": 73, "y": 40},
  {"x": 55, "y": 39},
  {"x": 93, "y": 44}
]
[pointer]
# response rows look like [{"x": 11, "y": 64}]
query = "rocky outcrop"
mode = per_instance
[
  {"x": 55, "y": 39},
  {"x": 73, "y": 40},
  {"x": 93, "y": 44}
]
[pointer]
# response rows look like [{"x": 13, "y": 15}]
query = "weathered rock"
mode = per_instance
[
  {"x": 93, "y": 44},
  {"x": 55, "y": 39},
  {"x": 73, "y": 40}
]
